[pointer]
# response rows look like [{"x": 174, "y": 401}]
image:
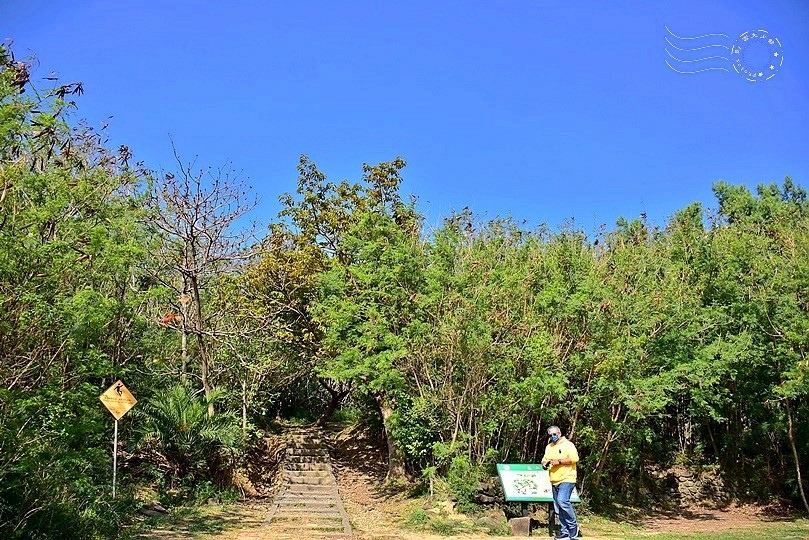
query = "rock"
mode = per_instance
[
  {"x": 520, "y": 526},
  {"x": 484, "y": 499},
  {"x": 152, "y": 510},
  {"x": 490, "y": 522},
  {"x": 488, "y": 489}
]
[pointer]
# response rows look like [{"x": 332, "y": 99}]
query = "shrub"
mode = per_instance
[
  {"x": 463, "y": 479},
  {"x": 417, "y": 519},
  {"x": 176, "y": 424}
]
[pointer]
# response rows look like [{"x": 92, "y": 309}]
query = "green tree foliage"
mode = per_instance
[
  {"x": 176, "y": 423},
  {"x": 366, "y": 309},
  {"x": 79, "y": 300},
  {"x": 70, "y": 247},
  {"x": 649, "y": 344},
  {"x": 367, "y": 250}
]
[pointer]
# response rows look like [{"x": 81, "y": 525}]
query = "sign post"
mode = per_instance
[
  {"x": 114, "y": 458},
  {"x": 529, "y": 482},
  {"x": 118, "y": 400}
]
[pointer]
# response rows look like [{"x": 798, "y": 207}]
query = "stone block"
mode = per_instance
[{"x": 520, "y": 526}]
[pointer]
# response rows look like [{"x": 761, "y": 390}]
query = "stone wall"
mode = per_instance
[{"x": 684, "y": 487}]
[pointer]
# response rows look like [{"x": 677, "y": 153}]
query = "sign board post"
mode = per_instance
[
  {"x": 118, "y": 400},
  {"x": 529, "y": 482}
]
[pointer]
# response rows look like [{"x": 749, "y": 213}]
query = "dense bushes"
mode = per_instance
[{"x": 649, "y": 345}]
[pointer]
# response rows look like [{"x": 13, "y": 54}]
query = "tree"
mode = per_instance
[
  {"x": 197, "y": 213},
  {"x": 367, "y": 241},
  {"x": 366, "y": 311},
  {"x": 764, "y": 283}
]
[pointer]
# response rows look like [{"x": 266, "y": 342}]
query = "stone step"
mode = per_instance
[
  {"x": 309, "y": 499},
  {"x": 321, "y": 473},
  {"x": 307, "y": 459},
  {"x": 332, "y": 522},
  {"x": 304, "y": 511},
  {"x": 325, "y": 467},
  {"x": 303, "y": 507},
  {"x": 310, "y": 481},
  {"x": 292, "y": 515},
  {"x": 299, "y": 451},
  {"x": 310, "y": 496},
  {"x": 309, "y": 504},
  {"x": 304, "y": 438},
  {"x": 324, "y": 501},
  {"x": 319, "y": 527},
  {"x": 305, "y": 443},
  {"x": 297, "y": 486},
  {"x": 310, "y": 489},
  {"x": 314, "y": 504}
]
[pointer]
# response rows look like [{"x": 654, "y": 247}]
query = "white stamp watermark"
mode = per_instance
[{"x": 756, "y": 55}]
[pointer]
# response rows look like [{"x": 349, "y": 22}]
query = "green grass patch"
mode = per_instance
[
  {"x": 417, "y": 519},
  {"x": 783, "y": 530},
  {"x": 446, "y": 527}
]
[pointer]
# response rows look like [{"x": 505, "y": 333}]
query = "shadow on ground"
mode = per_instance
[{"x": 193, "y": 521}]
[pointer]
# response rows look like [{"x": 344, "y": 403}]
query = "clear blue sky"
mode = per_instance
[{"x": 542, "y": 110}]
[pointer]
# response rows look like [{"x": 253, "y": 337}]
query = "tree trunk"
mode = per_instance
[
  {"x": 791, "y": 433},
  {"x": 244, "y": 408},
  {"x": 396, "y": 468},
  {"x": 716, "y": 452},
  {"x": 612, "y": 434},
  {"x": 184, "y": 299},
  {"x": 184, "y": 353},
  {"x": 204, "y": 362},
  {"x": 337, "y": 396}
]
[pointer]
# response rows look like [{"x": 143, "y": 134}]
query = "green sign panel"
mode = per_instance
[{"x": 527, "y": 482}]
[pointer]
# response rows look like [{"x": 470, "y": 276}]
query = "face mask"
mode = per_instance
[{"x": 554, "y": 437}]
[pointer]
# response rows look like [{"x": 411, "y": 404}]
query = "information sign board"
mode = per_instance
[{"x": 527, "y": 482}]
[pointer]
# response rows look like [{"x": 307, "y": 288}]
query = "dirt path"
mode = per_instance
[{"x": 701, "y": 520}]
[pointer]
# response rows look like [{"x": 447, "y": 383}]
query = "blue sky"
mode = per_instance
[{"x": 541, "y": 110}]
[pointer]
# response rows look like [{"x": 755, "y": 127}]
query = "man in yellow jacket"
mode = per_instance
[{"x": 560, "y": 459}]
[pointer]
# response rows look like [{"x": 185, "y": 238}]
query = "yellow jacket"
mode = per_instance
[{"x": 562, "y": 449}]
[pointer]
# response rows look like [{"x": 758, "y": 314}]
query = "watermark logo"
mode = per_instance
[{"x": 756, "y": 55}]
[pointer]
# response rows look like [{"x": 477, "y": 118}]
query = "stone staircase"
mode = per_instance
[{"x": 309, "y": 504}]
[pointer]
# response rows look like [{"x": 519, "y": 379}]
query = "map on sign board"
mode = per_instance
[
  {"x": 527, "y": 482},
  {"x": 118, "y": 399}
]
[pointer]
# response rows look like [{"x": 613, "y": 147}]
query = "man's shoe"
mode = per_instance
[
  {"x": 561, "y": 536},
  {"x": 578, "y": 533}
]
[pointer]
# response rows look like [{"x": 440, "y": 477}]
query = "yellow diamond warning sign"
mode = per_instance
[{"x": 118, "y": 399}]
